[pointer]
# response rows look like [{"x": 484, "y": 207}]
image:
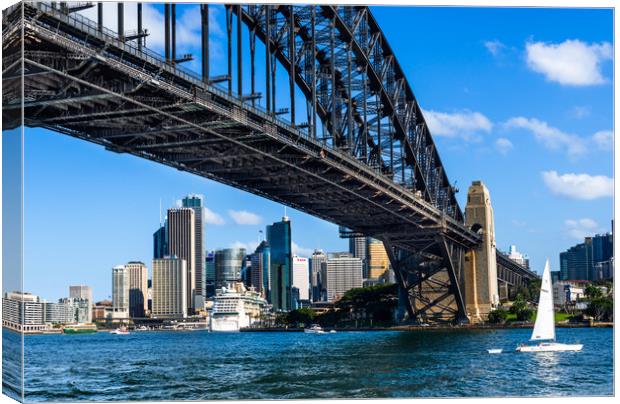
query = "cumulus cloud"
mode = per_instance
[
  {"x": 464, "y": 124},
  {"x": 552, "y": 138},
  {"x": 604, "y": 139},
  {"x": 503, "y": 145},
  {"x": 579, "y": 186},
  {"x": 243, "y": 217},
  {"x": 571, "y": 62},
  {"x": 301, "y": 251},
  {"x": 210, "y": 217},
  {"x": 581, "y": 228}
]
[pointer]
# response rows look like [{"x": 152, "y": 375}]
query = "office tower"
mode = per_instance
[
  {"x": 149, "y": 295},
  {"x": 120, "y": 292},
  {"x": 518, "y": 257},
  {"x": 341, "y": 273},
  {"x": 279, "y": 239},
  {"x": 83, "y": 292},
  {"x": 160, "y": 241},
  {"x": 228, "y": 265},
  {"x": 169, "y": 288},
  {"x": 261, "y": 264},
  {"x": 138, "y": 289},
  {"x": 210, "y": 274},
  {"x": 317, "y": 258},
  {"x": 196, "y": 203},
  {"x": 69, "y": 310},
  {"x": 182, "y": 244},
  {"x": 378, "y": 261},
  {"x": 301, "y": 281},
  {"x": 602, "y": 256},
  {"x": 576, "y": 262},
  {"x": 358, "y": 247}
]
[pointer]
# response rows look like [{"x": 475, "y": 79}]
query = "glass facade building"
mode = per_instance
[
  {"x": 228, "y": 265},
  {"x": 279, "y": 239}
]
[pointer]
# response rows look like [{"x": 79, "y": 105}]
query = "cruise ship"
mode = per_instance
[{"x": 235, "y": 307}]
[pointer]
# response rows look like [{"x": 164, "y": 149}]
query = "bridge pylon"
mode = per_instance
[{"x": 481, "y": 291}]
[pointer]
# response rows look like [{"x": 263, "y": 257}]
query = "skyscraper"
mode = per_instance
[
  {"x": 228, "y": 265},
  {"x": 279, "y": 239},
  {"x": 378, "y": 260},
  {"x": 120, "y": 292},
  {"x": 261, "y": 264},
  {"x": 341, "y": 273},
  {"x": 210, "y": 274},
  {"x": 160, "y": 241},
  {"x": 358, "y": 247},
  {"x": 182, "y": 244},
  {"x": 576, "y": 262},
  {"x": 169, "y": 288},
  {"x": 317, "y": 258},
  {"x": 196, "y": 203},
  {"x": 301, "y": 281},
  {"x": 138, "y": 288},
  {"x": 83, "y": 292}
]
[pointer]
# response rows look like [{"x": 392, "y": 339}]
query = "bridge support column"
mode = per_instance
[{"x": 481, "y": 292}]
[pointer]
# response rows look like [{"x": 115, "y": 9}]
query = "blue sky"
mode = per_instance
[{"x": 518, "y": 98}]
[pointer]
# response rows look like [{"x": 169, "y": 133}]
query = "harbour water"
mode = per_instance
[{"x": 199, "y": 365}]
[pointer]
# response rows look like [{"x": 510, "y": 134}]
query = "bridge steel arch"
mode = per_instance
[{"x": 378, "y": 172}]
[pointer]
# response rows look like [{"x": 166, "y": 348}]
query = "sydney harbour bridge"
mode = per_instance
[{"x": 351, "y": 147}]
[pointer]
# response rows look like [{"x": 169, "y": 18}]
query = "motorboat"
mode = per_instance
[
  {"x": 495, "y": 351},
  {"x": 314, "y": 329},
  {"x": 120, "y": 331},
  {"x": 544, "y": 327}
]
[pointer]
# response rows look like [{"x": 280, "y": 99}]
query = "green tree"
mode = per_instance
[
  {"x": 593, "y": 292},
  {"x": 521, "y": 309},
  {"x": 498, "y": 316},
  {"x": 601, "y": 308},
  {"x": 300, "y": 317}
]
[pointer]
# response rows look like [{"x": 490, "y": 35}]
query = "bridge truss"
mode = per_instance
[{"x": 376, "y": 171}]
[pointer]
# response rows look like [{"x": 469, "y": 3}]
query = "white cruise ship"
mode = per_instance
[{"x": 235, "y": 307}]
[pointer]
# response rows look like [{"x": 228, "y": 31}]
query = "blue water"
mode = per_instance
[{"x": 201, "y": 366}]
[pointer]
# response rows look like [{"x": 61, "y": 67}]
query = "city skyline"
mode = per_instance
[{"x": 531, "y": 152}]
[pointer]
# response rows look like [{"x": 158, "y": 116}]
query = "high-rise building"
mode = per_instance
[
  {"x": 261, "y": 264},
  {"x": 358, "y": 247},
  {"x": 69, "y": 310},
  {"x": 317, "y": 258},
  {"x": 279, "y": 239},
  {"x": 210, "y": 274},
  {"x": 23, "y": 312},
  {"x": 378, "y": 260},
  {"x": 301, "y": 282},
  {"x": 160, "y": 241},
  {"x": 83, "y": 292},
  {"x": 138, "y": 289},
  {"x": 120, "y": 292},
  {"x": 518, "y": 257},
  {"x": 576, "y": 262},
  {"x": 182, "y": 244},
  {"x": 228, "y": 265},
  {"x": 196, "y": 203},
  {"x": 169, "y": 288},
  {"x": 341, "y": 272}
]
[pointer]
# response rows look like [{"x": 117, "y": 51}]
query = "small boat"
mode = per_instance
[
  {"x": 332, "y": 331},
  {"x": 544, "y": 327},
  {"x": 495, "y": 350},
  {"x": 120, "y": 331},
  {"x": 314, "y": 329}
]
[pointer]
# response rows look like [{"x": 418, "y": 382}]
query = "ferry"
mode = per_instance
[
  {"x": 235, "y": 307},
  {"x": 80, "y": 329}
]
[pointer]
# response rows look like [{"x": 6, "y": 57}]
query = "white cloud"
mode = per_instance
[
  {"x": 494, "y": 47},
  {"x": 579, "y": 186},
  {"x": 571, "y": 62},
  {"x": 503, "y": 145},
  {"x": 552, "y": 138},
  {"x": 249, "y": 247},
  {"x": 581, "y": 111},
  {"x": 210, "y": 217},
  {"x": 604, "y": 139},
  {"x": 464, "y": 124},
  {"x": 243, "y": 217},
  {"x": 301, "y": 251},
  {"x": 581, "y": 228}
]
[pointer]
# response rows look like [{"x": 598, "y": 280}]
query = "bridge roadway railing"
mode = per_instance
[{"x": 188, "y": 80}]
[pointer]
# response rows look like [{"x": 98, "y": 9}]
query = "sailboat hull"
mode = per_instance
[{"x": 550, "y": 347}]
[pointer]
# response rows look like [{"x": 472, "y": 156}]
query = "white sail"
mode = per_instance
[{"x": 544, "y": 328}]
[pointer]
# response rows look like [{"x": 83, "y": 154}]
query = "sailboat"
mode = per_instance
[{"x": 544, "y": 327}]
